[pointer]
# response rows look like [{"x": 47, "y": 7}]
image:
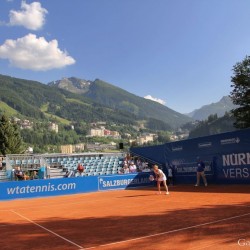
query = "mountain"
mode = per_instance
[
  {"x": 72, "y": 84},
  {"x": 31, "y": 99},
  {"x": 213, "y": 125},
  {"x": 116, "y": 98},
  {"x": 219, "y": 108}
]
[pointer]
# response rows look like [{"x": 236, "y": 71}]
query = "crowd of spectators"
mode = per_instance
[
  {"x": 134, "y": 165},
  {"x": 19, "y": 175}
]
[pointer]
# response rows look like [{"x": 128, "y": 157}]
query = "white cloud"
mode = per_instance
[
  {"x": 149, "y": 97},
  {"x": 34, "y": 53},
  {"x": 31, "y": 16}
]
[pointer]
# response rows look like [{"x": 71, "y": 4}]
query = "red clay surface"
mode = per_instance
[{"x": 193, "y": 218}]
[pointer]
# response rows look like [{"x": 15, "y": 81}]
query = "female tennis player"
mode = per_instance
[{"x": 160, "y": 177}]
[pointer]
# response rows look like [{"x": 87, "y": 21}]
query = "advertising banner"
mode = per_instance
[
  {"x": 123, "y": 181},
  {"x": 64, "y": 186},
  {"x": 49, "y": 187},
  {"x": 226, "y": 156}
]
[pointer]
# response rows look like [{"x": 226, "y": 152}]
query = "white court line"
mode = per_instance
[
  {"x": 46, "y": 229},
  {"x": 169, "y": 232}
]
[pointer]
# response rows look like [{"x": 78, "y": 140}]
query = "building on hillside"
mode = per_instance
[
  {"x": 27, "y": 124},
  {"x": 127, "y": 135},
  {"x": 96, "y": 132},
  {"x": 101, "y": 132},
  {"x": 67, "y": 149},
  {"x": 111, "y": 133},
  {"x": 77, "y": 148},
  {"x": 115, "y": 134},
  {"x": 173, "y": 138},
  {"x": 24, "y": 124},
  {"x": 16, "y": 120},
  {"x": 53, "y": 127},
  {"x": 30, "y": 150},
  {"x": 145, "y": 138}
]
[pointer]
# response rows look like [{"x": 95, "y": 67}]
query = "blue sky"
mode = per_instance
[{"x": 179, "y": 51}]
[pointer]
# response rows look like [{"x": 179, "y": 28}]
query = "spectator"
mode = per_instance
[
  {"x": 34, "y": 175},
  {"x": 80, "y": 168},
  {"x": 19, "y": 174},
  {"x": 124, "y": 170},
  {"x": 132, "y": 168}
]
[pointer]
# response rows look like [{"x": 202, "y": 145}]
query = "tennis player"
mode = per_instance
[{"x": 160, "y": 178}]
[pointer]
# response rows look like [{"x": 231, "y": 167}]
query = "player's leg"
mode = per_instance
[
  {"x": 198, "y": 179},
  {"x": 166, "y": 186},
  {"x": 159, "y": 187},
  {"x": 204, "y": 178}
]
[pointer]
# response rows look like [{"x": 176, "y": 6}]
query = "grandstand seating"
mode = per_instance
[
  {"x": 3, "y": 175},
  {"x": 94, "y": 165}
]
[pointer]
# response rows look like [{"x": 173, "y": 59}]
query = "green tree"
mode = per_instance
[
  {"x": 240, "y": 95},
  {"x": 10, "y": 138}
]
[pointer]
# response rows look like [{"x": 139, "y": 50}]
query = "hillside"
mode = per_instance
[
  {"x": 213, "y": 125},
  {"x": 116, "y": 98},
  {"x": 219, "y": 108},
  {"x": 35, "y": 100}
]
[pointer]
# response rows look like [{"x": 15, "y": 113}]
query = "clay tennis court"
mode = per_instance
[{"x": 194, "y": 218}]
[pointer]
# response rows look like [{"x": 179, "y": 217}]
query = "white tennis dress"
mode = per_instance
[{"x": 162, "y": 176}]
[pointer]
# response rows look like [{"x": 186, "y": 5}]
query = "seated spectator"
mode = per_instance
[
  {"x": 132, "y": 168},
  {"x": 124, "y": 170},
  {"x": 34, "y": 176},
  {"x": 19, "y": 174},
  {"x": 80, "y": 168},
  {"x": 139, "y": 165}
]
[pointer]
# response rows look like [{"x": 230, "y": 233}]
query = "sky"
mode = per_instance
[{"x": 178, "y": 52}]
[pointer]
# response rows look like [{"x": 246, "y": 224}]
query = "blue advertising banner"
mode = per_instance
[
  {"x": 48, "y": 187},
  {"x": 226, "y": 156},
  {"x": 64, "y": 186},
  {"x": 123, "y": 181}
]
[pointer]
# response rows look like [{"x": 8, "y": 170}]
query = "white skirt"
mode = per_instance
[{"x": 164, "y": 178}]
